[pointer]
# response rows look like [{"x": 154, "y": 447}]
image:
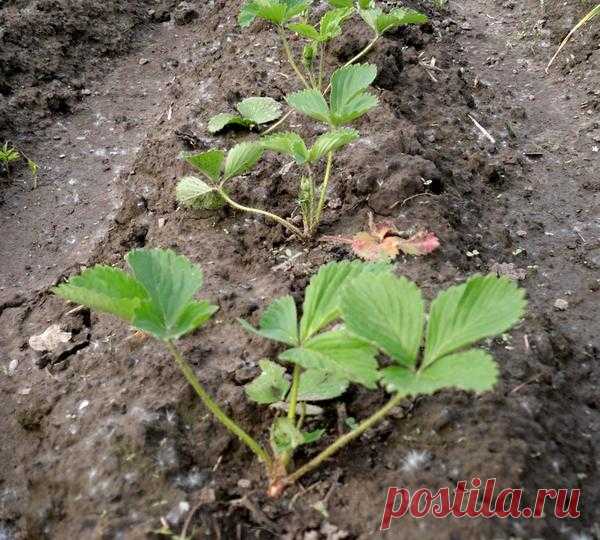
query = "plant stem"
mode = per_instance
[
  {"x": 322, "y": 49},
  {"x": 294, "y": 393},
  {"x": 287, "y": 456},
  {"x": 274, "y": 217},
  {"x": 317, "y": 216},
  {"x": 290, "y": 56},
  {"x": 345, "y": 439},
  {"x": 278, "y": 123},
  {"x": 212, "y": 406}
]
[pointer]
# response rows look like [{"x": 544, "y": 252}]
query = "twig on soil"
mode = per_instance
[
  {"x": 402, "y": 203},
  {"x": 485, "y": 132},
  {"x": 523, "y": 385},
  {"x": 188, "y": 520}
]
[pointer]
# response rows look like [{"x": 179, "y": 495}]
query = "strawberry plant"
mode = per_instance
[
  {"x": 353, "y": 314},
  {"x": 344, "y": 100}
]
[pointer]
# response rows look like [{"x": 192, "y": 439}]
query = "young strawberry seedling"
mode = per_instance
[
  {"x": 352, "y": 314},
  {"x": 9, "y": 155},
  {"x": 348, "y": 100}
]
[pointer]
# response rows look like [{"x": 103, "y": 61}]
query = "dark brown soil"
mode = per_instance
[{"x": 104, "y": 439}]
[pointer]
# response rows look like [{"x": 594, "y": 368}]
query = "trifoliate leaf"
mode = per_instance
[
  {"x": 332, "y": 141},
  {"x": 305, "y": 30},
  {"x": 323, "y": 294},
  {"x": 241, "y": 158},
  {"x": 387, "y": 312},
  {"x": 208, "y": 163},
  {"x": 484, "y": 306},
  {"x": 259, "y": 110},
  {"x": 348, "y": 98},
  {"x": 222, "y": 120},
  {"x": 288, "y": 143},
  {"x": 104, "y": 289},
  {"x": 271, "y": 386},
  {"x": 311, "y": 103},
  {"x": 279, "y": 322},
  {"x": 170, "y": 281},
  {"x": 316, "y": 385},
  {"x": 339, "y": 353},
  {"x": 472, "y": 370}
]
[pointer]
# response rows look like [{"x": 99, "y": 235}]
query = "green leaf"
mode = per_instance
[
  {"x": 288, "y": 143},
  {"x": 171, "y": 281},
  {"x": 33, "y": 167},
  {"x": 311, "y": 103},
  {"x": 342, "y": 3},
  {"x": 241, "y": 158},
  {"x": 279, "y": 322},
  {"x": 248, "y": 13},
  {"x": 104, "y": 289},
  {"x": 296, "y": 7},
  {"x": 383, "y": 22},
  {"x": 222, "y": 120},
  {"x": 305, "y": 30},
  {"x": 193, "y": 192},
  {"x": 285, "y": 436},
  {"x": 323, "y": 294},
  {"x": 484, "y": 306},
  {"x": 270, "y": 386},
  {"x": 470, "y": 370},
  {"x": 316, "y": 385},
  {"x": 348, "y": 98},
  {"x": 331, "y": 22},
  {"x": 339, "y": 353},
  {"x": 332, "y": 141},
  {"x": 259, "y": 110},
  {"x": 312, "y": 436},
  {"x": 208, "y": 163},
  {"x": 271, "y": 11},
  {"x": 387, "y": 312}
]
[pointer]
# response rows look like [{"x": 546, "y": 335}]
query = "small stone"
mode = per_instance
[
  {"x": 161, "y": 222},
  {"x": 522, "y": 234},
  {"x": 143, "y": 61},
  {"x": 243, "y": 483},
  {"x": 12, "y": 367},
  {"x": 561, "y": 305},
  {"x": 86, "y": 92}
]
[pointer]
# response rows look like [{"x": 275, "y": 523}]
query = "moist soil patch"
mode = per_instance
[{"x": 103, "y": 439}]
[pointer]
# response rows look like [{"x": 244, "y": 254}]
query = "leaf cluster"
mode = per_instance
[
  {"x": 379, "y": 313},
  {"x": 156, "y": 297}
]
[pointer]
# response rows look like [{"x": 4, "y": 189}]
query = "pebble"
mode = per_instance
[
  {"x": 561, "y": 305},
  {"x": 143, "y": 61},
  {"x": 243, "y": 483}
]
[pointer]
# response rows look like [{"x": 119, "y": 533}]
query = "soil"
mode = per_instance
[{"x": 103, "y": 438}]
